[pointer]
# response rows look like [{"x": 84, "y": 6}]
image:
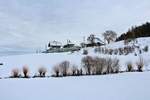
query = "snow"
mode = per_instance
[
  {"x": 34, "y": 61},
  {"x": 122, "y": 86},
  {"x": 126, "y": 86},
  {"x": 142, "y": 42}
]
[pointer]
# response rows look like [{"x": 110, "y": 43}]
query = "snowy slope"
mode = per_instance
[
  {"x": 34, "y": 61},
  {"x": 142, "y": 42},
  {"x": 122, "y": 86}
]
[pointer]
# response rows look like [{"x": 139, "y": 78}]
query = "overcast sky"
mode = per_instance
[{"x": 26, "y": 23}]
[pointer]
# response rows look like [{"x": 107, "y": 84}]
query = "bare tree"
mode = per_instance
[
  {"x": 56, "y": 70},
  {"x": 99, "y": 65},
  {"x": 115, "y": 65},
  {"x": 64, "y": 66},
  {"x": 140, "y": 64},
  {"x": 25, "y": 71},
  {"x": 109, "y": 35},
  {"x": 129, "y": 67},
  {"x": 108, "y": 64},
  {"x": 15, "y": 73},
  {"x": 87, "y": 64},
  {"x": 74, "y": 69},
  {"x": 80, "y": 71},
  {"x": 42, "y": 71},
  {"x": 91, "y": 38}
]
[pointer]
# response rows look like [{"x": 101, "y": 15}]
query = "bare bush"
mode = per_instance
[
  {"x": 145, "y": 49},
  {"x": 25, "y": 71},
  {"x": 116, "y": 51},
  {"x": 64, "y": 66},
  {"x": 87, "y": 63},
  {"x": 98, "y": 65},
  {"x": 106, "y": 51},
  {"x": 15, "y": 73},
  {"x": 85, "y": 52},
  {"x": 108, "y": 64},
  {"x": 115, "y": 65},
  {"x": 110, "y": 51},
  {"x": 98, "y": 50},
  {"x": 42, "y": 71},
  {"x": 120, "y": 51},
  {"x": 74, "y": 69},
  {"x": 80, "y": 72},
  {"x": 126, "y": 50},
  {"x": 129, "y": 67},
  {"x": 103, "y": 50},
  {"x": 140, "y": 64},
  {"x": 56, "y": 70}
]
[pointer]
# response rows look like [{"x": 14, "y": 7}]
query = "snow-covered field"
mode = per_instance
[{"x": 123, "y": 86}]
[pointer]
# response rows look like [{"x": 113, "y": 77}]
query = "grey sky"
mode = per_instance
[{"x": 26, "y": 23}]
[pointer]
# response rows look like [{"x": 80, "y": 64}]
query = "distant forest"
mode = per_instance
[{"x": 135, "y": 32}]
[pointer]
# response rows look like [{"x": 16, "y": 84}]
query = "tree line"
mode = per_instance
[{"x": 136, "y": 32}]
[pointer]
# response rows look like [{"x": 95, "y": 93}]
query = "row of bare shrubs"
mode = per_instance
[
  {"x": 65, "y": 68},
  {"x": 139, "y": 65},
  {"x": 118, "y": 51},
  {"x": 121, "y": 51},
  {"x": 16, "y": 73},
  {"x": 98, "y": 65},
  {"x": 90, "y": 66}
]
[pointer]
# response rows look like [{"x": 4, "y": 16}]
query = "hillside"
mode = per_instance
[
  {"x": 124, "y": 86},
  {"x": 34, "y": 61}
]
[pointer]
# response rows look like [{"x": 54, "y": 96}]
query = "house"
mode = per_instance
[{"x": 92, "y": 40}]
